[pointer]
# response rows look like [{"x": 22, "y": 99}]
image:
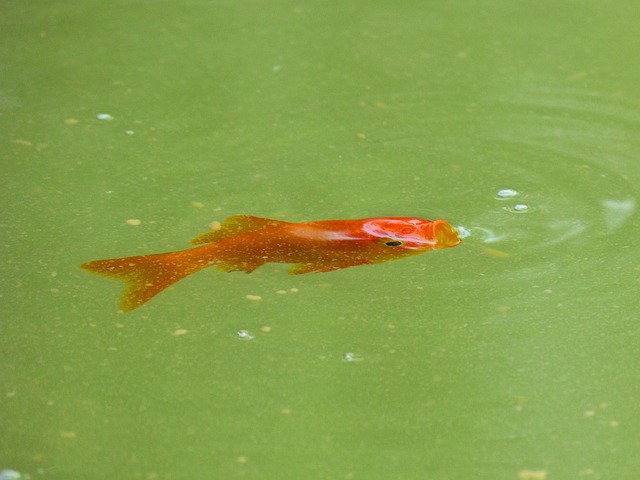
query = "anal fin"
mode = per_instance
[
  {"x": 301, "y": 268},
  {"x": 238, "y": 266}
]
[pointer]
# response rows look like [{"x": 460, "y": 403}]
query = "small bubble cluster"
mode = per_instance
[
  {"x": 463, "y": 232},
  {"x": 508, "y": 193}
]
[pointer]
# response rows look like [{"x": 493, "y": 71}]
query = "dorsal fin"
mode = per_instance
[{"x": 236, "y": 225}]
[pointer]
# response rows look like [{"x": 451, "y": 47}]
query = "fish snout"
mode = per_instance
[{"x": 444, "y": 234}]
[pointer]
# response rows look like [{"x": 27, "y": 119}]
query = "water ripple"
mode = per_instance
[{"x": 571, "y": 157}]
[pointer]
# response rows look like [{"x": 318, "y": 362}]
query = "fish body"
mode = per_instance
[{"x": 245, "y": 243}]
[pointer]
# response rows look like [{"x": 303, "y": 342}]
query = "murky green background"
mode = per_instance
[{"x": 512, "y": 356}]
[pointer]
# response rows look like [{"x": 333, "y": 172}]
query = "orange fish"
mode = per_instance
[{"x": 245, "y": 243}]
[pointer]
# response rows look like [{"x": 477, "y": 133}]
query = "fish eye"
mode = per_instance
[{"x": 393, "y": 243}]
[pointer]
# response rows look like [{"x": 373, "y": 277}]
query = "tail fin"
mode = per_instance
[{"x": 146, "y": 275}]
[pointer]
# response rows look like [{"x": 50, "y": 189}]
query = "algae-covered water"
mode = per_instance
[{"x": 127, "y": 127}]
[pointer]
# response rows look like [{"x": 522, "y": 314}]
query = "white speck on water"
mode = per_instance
[
  {"x": 10, "y": 475},
  {"x": 617, "y": 212},
  {"x": 507, "y": 193},
  {"x": 244, "y": 334},
  {"x": 104, "y": 117},
  {"x": 351, "y": 357}
]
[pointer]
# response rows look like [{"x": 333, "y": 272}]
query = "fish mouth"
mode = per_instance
[{"x": 444, "y": 234}]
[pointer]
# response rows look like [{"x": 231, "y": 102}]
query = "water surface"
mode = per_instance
[{"x": 512, "y": 356}]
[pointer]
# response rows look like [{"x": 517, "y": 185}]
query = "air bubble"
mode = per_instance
[
  {"x": 518, "y": 208},
  {"x": 507, "y": 193}
]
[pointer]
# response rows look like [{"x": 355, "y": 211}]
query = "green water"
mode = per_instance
[{"x": 512, "y": 356}]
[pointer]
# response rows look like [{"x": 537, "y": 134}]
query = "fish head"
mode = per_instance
[{"x": 412, "y": 235}]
